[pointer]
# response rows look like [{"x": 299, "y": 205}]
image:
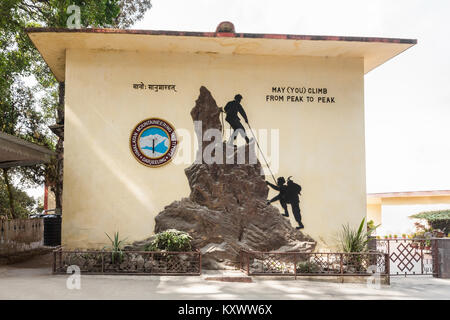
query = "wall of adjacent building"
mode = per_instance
[
  {"x": 20, "y": 235},
  {"x": 107, "y": 190},
  {"x": 374, "y": 213},
  {"x": 395, "y": 212}
]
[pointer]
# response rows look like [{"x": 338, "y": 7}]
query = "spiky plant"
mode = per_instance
[
  {"x": 354, "y": 240},
  {"x": 116, "y": 247}
]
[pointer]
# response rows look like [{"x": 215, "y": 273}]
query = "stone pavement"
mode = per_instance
[{"x": 33, "y": 280}]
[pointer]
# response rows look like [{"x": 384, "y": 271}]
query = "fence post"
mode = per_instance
[
  {"x": 387, "y": 268},
  {"x": 54, "y": 261},
  {"x": 421, "y": 260},
  {"x": 295, "y": 266},
  {"x": 103, "y": 261},
  {"x": 240, "y": 260},
  {"x": 60, "y": 256},
  {"x": 436, "y": 258},
  {"x": 248, "y": 263},
  {"x": 199, "y": 262}
]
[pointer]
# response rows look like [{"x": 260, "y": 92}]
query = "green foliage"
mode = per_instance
[
  {"x": 307, "y": 267},
  {"x": 433, "y": 215},
  {"x": 29, "y": 98},
  {"x": 23, "y": 203},
  {"x": 171, "y": 240},
  {"x": 439, "y": 219},
  {"x": 371, "y": 227},
  {"x": 116, "y": 248},
  {"x": 354, "y": 240}
]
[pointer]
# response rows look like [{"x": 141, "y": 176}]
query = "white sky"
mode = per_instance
[{"x": 406, "y": 99}]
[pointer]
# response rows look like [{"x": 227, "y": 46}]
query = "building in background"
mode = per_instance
[{"x": 392, "y": 209}]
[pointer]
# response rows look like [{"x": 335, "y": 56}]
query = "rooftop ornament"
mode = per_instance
[{"x": 225, "y": 27}]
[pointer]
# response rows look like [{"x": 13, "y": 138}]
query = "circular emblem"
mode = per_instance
[{"x": 153, "y": 142}]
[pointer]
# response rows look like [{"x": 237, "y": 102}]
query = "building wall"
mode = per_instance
[
  {"x": 374, "y": 213},
  {"x": 107, "y": 190},
  {"x": 396, "y": 211},
  {"x": 20, "y": 235}
]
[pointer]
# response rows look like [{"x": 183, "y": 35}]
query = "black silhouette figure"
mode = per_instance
[
  {"x": 292, "y": 192},
  {"x": 281, "y": 187},
  {"x": 232, "y": 109},
  {"x": 288, "y": 194}
]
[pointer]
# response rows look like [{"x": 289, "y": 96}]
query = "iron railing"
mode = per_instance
[
  {"x": 129, "y": 262},
  {"x": 314, "y": 263},
  {"x": 410, "y": 256}
]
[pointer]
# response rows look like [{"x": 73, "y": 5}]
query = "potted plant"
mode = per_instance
[
  {"x": 404, "y": 235},
  {"x": 385, "y": 237},
  {"x": 438, "y": 233},
  {"x": 421, "y": 245},
  {"x": 427, "y": 245},
  {"x": 395, "y": 236},
  {"x": 390, "y": 236},
  {"x": 413, "y": 243}
]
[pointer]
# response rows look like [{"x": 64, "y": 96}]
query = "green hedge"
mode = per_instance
[{"x": 439, "y": 219}]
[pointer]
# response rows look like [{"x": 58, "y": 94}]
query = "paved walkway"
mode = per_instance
[{"x": 33, "y": 280}]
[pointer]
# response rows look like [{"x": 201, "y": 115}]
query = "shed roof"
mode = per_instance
[
  {"x": 52, "y": 43},
  {"x": 15, "y": 152}
]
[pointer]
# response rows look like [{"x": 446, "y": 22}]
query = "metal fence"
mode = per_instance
[
  {"x": 314, "y": 263},
  {"x": 128, "y": 262},
  {"x": 410, "y": 256}
]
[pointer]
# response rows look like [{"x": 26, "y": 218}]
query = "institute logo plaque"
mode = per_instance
[{"x": 153, "y": 142}]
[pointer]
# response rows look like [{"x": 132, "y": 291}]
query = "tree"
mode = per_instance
[
  {"x": 438, "y": 219},
  {"x": 19, "y": 117},
  {"x": 24, "y": 113},
  {"x": 23, "y": 205}
]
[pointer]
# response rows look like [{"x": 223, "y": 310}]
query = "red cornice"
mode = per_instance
[{"x": 221, "y": 34}]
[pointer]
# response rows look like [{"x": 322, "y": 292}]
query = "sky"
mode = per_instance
[{"x": 406, "y": 99}]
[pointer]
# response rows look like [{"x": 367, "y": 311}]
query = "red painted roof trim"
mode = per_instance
[
  {"x": 223, "y": 34},
  {"x": 433, "y": 193}
]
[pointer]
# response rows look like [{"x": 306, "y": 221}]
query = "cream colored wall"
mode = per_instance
[
  {"x": 107, "y": 190},
  {"x": 374, "y": 213},
  {"x": 396, "y": 212}
]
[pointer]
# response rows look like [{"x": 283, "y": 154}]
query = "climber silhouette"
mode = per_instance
[
  {"x": 281, "y": 187},
  {"x": 288, "y": 194},
  {"x": 232, "y": 109}
]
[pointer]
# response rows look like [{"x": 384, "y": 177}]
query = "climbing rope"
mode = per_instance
[
  {"x": 257, "y": 143},
  {"x": 223, "y": 127},
  {"x": 262, "y": 153}
]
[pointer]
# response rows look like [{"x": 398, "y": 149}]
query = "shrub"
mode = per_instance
[
  {"x": 354, "y": 240},
  {"x": 116, "y": 248},
  {"x": 170, "y": 240},
  {"x": 307, "y": 267},
  {"x": 439, "y": 219}
]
